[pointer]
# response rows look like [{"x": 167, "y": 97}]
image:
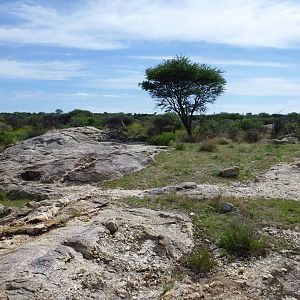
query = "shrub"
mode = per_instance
[
  {"x": 136, "y": 131},
  {"x": 251, "y": 136},
  {"x": 119, "y": 121},
  {"x": 208, "y": 145},
  {"x": 163, "y": 139},
  {"x": 5, "y": 138},
  {"x": 240, "y": 238},
  {"x": 233, "y": 133},
  {"x": 200, "y": 261}
]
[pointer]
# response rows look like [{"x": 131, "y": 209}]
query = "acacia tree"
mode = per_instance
[{"x": 184, "y": 87}]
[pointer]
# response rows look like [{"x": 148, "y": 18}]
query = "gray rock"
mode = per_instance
[
  {"x": 84, "y": 261},
  {"x": 112, "y": 226},
  {"x": 70, "y": 156},
  {"x": 230, "y": 172},
  {"x": 227, "y": 207}
]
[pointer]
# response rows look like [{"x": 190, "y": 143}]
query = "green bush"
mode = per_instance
[
  {"x": 200, "y": 261},
  {"x": 241, "y": 238},
  {"x": 136, "y": 131},
  {"x": 163, "y": 139},
  {"x": 5, "y": 138}
]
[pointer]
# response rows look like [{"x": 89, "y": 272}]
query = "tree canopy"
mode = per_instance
[{"x": 184, "y": 87}]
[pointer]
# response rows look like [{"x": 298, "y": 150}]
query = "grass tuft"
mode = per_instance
[
  {"x": 200, "y": 261},
  {"x": 241, "y": 239}
]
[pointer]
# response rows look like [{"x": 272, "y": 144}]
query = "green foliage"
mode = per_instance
[
  {"x": 200, "y": 261},
  {"x": 5, "y": 138},
  {"x": 163, "y": 139},
  {"x": 183, "y": 87},
  {"x": 136, "y": 131},
  {"x": 242, "y": 239}
]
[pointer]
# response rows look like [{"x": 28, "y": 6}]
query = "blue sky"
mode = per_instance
[{"x": 91, "y": 54}]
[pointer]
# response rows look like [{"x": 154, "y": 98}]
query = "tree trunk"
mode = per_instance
[{"x": 187, "y": 123}]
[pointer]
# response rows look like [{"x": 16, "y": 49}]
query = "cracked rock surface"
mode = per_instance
[{"x": 84, "y": 260}]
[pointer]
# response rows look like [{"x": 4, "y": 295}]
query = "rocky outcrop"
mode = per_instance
[
  {"x": 68, "y": 156},
  {"x": 94, "y": 260}
]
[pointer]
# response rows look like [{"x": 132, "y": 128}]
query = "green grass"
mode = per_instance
[
  {"x": 175, "y": 167},
  {"x": 4, "y": 200},
  {"x": 211, "y": 223},
  {"x": 200, "y": 260},
  {"x": 242, "y": 239}
]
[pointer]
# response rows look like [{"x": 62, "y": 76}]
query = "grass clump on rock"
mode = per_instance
[{"x": 200, "y": 261}]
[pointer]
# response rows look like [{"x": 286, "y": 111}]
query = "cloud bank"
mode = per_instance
[{"x": 100, "y": 24}]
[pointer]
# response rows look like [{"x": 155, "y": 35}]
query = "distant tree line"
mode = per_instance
[{"x": 152, "y": 128}]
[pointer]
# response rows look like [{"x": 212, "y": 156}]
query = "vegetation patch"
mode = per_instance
[
  {"x": 174, "y": 167},
  {"x": 242, "y": 239},
  {"x": 208, "y": 145},
  {"x": 238, "y": 231},
  {"x": 200, "y": 261},
  {"x": 4, "y": 200}
]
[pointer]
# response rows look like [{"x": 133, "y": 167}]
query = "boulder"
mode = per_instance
[{"x": 68, "y": 156}]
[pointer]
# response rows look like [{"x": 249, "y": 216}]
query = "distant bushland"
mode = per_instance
[{"x": 154, "y": 128}]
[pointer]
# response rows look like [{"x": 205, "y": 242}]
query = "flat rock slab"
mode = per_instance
[
  {"x": 84, "y": 260},
  {"x": 71, "y": 156}
]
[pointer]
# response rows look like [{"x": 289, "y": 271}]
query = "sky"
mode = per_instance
[{"x": 91, "y": 54}]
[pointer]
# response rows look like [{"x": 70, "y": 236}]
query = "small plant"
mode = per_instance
[
  {"x": 241, "y": 239},
  {"x": 208, "y": 145},
  {"x": 75, "y": 213},
  {"x": 168, "y": 286},
  {"x": 180, "y": 146},
  {"x": 200, "y": 261}
]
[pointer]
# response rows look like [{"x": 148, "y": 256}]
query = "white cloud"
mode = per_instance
[
  {"x": 216, "y": 61},
  {"x": 261, "y": 86},
  {"x": 48, "y": 70},
  {"x": 113, "y": 24}
]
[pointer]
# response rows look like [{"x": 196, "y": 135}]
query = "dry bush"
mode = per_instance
[{"x": 208, "y": 145}]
